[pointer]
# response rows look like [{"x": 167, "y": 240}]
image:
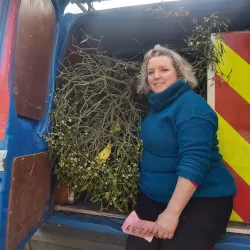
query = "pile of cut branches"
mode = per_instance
[
  {"x": 204, "y": 51},
  {"x": 95, "y": 124},
  {"x": 96, "y": 120}
]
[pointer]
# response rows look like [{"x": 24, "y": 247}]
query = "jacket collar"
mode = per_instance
[{"x": 159, "y": 101}]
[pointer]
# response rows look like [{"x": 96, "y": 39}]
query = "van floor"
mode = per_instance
[{"x": 56, "y": 237}]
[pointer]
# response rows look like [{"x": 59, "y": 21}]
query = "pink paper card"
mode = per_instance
[{"x": 137, "y": 227}]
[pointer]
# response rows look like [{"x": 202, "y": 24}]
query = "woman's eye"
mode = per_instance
[
  {"x": 164, "y": 70},
  {"x": 150, "y": 73}
]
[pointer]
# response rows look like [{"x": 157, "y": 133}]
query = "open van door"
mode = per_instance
[
  {"x": 27, "y": 34},
  {"x": 28, "y": 65}
]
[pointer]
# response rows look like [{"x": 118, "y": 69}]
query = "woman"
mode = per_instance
[{"x": 185, "y": 187}]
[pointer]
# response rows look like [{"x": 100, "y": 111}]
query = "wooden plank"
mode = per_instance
[
  {"x": 82, "y": 210},
  {"x": 29, "y": 195},
  {"x": 239, "y": 228},
  {"x": 34, "y": 50}
]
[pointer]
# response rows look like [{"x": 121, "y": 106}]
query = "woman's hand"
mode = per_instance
[
  {"x": 168, "y": 220},
  {"x": 166, "y": 225}
]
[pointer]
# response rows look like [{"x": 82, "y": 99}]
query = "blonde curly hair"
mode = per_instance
[{"x": 183, "y": 68}]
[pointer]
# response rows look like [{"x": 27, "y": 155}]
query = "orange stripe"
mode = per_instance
[
  {"x": 241, "y": 200},
  {"x": 4, "y": 106},
  {"x": 238, "y": 42},
  {"x": 236, "y": 71},
  {"x": 232, "y": 103},
  {"x": 233, "y": 108},
  {"x": 5, "y": 64}
]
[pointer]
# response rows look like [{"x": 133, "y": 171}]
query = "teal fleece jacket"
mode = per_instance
[{"x": 179, "y": 136}]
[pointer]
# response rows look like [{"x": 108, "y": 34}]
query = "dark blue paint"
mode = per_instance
[
  {"x": 233, "y": 242},
  {"x": 23, "y": 135},
  {"x": 89, "y": 223}
]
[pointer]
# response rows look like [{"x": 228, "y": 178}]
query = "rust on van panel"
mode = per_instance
[
  {"x": 29, "y": 195},
  {"x": 34, "y": 50}
]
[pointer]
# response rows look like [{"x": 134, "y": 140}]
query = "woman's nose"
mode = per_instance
[{"x": 156, "y": 74}]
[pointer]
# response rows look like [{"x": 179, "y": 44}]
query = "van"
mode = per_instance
[{"x": 34, "y": 39}]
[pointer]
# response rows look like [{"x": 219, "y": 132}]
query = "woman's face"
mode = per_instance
[{"x": 161, "y": 73}]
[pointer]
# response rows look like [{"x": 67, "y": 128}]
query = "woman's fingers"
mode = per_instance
[
  {"x": 170, "y": 236},
  {"x": 165, "y": 236},
  {"x": 162, "y": 233}
]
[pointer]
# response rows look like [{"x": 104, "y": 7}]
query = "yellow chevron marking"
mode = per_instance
[
  {"x": 239, "y": 78},
  {"x": 235, "y": 217},
  {"x": 235, "y": 149}
]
